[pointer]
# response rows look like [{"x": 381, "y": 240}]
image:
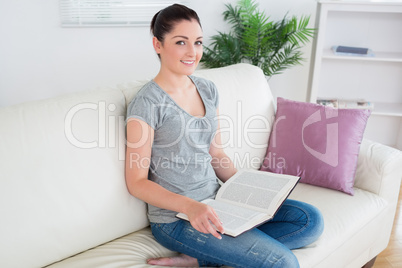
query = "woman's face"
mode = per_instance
[{"x": 181, "y": 49}]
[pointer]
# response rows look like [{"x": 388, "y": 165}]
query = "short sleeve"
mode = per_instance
[
  {"x": 215, "y": 95},
  {"x": 144, "y": 109}
]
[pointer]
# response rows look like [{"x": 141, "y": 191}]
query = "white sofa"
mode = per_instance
[{"x": 64, "y": 201}]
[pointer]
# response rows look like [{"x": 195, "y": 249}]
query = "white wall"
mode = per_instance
[{"x": 39, "y": 59}]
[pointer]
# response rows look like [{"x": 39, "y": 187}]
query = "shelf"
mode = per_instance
[
  {"x": 384, "y": 6},
  {"x": 364, "y": 2},
  {"x": 379, "y": 56},
  {"x": 373, "y": 24},
  {"x": 387, "y": 109},
  {"x": 381, "y": 108}
]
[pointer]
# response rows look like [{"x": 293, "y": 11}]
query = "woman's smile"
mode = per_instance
[{"x": 188, "y": 62}]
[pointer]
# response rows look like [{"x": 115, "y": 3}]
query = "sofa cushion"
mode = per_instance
[
  {"x": 347, "y": 222},
  {"x": 318, "y": 143},
  {"x": 62, "y": 173},
  {"x": 348, "y": 217},
  {"x": 131, "y": 250}
]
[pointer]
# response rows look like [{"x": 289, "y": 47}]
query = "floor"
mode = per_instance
[{"x": 391, "y": 257}]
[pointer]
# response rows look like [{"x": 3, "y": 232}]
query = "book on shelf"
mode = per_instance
[
  {"x": 249, "y": 198},
  {"x": 346, "y": 103},
  {"x": 353, "y": 51}
]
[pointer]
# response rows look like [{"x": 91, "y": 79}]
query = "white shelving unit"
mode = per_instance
[{"x": 378, "y": 79}]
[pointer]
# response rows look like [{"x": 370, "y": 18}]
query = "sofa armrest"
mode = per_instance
[{"x": 379, "y": 170}]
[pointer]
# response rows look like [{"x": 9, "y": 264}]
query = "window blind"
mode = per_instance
[{"x": 92, "y": 13}]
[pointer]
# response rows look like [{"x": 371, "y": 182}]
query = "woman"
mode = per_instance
[{"x": 174, "y": 161}]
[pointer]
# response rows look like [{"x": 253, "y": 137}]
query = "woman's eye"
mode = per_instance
[
  {"x": 199, "y": 43},
  {"x": 180, "y": 43}
]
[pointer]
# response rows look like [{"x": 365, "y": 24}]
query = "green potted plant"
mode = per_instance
[{"x": 271, "y": 45}]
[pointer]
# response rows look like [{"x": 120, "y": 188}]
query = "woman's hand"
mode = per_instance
[{"x": 202, "y": 216}]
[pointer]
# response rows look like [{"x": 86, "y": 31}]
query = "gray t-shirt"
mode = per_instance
[{"x": 180, "y": 159}]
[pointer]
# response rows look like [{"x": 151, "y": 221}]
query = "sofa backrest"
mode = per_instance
[
  {"x": 62, "y": 187},
  {"x": 247, "y": 112}
]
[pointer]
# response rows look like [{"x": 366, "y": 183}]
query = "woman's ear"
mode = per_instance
[{"x": 157, "y": 45}]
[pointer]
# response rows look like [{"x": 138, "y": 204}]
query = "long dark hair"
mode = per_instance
[{"x": 163, "y": 21}]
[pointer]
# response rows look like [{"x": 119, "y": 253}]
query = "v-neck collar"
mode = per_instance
[{"x": 176, "y": 104}]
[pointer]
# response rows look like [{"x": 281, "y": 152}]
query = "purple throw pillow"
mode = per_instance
[{"x": 318, "y": 143}]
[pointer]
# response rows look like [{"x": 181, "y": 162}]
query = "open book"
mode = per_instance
[{"x": 250, "y": 198}]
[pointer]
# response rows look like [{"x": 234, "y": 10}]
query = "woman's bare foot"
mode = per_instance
[{"x": 178, "y": 261}]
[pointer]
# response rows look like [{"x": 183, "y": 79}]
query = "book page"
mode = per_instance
[
  {"x": 262, "y": 191},
  {"x": 234, "y": 218}
]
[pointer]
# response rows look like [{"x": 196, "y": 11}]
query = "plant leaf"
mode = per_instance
[{"x": 273, "y": 46}]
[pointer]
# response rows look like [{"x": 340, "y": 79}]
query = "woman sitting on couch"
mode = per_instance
[{"x": 171, "y": 129}]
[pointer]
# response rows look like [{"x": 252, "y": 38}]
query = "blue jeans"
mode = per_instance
[{"x": 295, "y": 225}]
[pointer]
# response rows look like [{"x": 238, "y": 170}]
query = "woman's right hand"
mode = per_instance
[{"x": 202, "y": 216}]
